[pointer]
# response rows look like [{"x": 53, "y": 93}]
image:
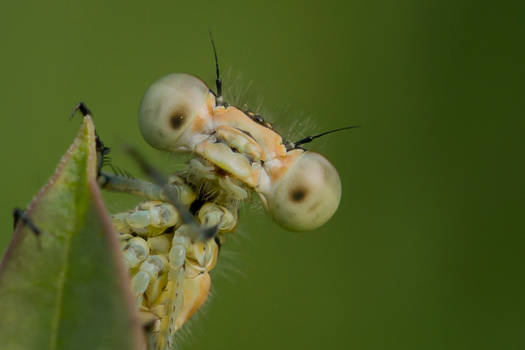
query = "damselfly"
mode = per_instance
[{"x": 171, "y": 242}]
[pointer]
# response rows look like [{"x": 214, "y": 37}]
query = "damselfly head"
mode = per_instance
[{"x": 300, "y": 188}]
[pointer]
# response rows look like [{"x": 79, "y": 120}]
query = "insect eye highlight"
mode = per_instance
[
  {"x": 177, "y": 120},
  {"x": 307, "y": 195},
  {"x": 169, "y": 107}
]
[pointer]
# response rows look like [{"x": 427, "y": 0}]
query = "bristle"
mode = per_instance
[
  {"x": 236, "y": 90},
  {"x": 230, "y": 267},
  {"x": 299, "y": 127},
  {"x": 292, "y": 125},
  {"x": 120, "y": 171}
]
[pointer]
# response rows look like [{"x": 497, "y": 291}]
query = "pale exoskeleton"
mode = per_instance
[{"x": 166, "y": 248}]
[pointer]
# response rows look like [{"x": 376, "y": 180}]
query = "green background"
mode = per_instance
[{"x": 426, "y": 249}]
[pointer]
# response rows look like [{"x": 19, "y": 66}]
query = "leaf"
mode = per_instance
[{"x": 68, "y": 288}]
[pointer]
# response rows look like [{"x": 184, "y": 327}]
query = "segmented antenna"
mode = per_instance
[
  {"x": 311, "y": 138},
  {"x": 218, "y": 81}
]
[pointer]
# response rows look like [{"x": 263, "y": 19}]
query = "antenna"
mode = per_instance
[
  {"x": 311, "y": 138},
  {"x": 218, "y": 81}
]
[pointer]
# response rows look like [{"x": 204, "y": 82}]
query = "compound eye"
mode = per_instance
[
  {"x": 169, "y": 108},
  {"x": 307, "y": 195}
]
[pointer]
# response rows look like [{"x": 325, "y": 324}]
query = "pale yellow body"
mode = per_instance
[
  {"x": 169, "y": 274},
  {"x": 236, "y": 152}
]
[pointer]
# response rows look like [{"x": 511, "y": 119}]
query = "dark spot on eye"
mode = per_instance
[
  {"x": 176, "y": 120},
  {"x": 298, "y": 194}
]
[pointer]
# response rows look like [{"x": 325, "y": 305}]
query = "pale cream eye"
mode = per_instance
[
  {"x": 307, "y": 195},
  {"x": 168, "y": 109}
]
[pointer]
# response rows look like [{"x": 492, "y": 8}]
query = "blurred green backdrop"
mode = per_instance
[{"x": 426, "y": 250}]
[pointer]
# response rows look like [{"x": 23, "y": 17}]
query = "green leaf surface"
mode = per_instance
[{"x": 67, "y": 289}]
